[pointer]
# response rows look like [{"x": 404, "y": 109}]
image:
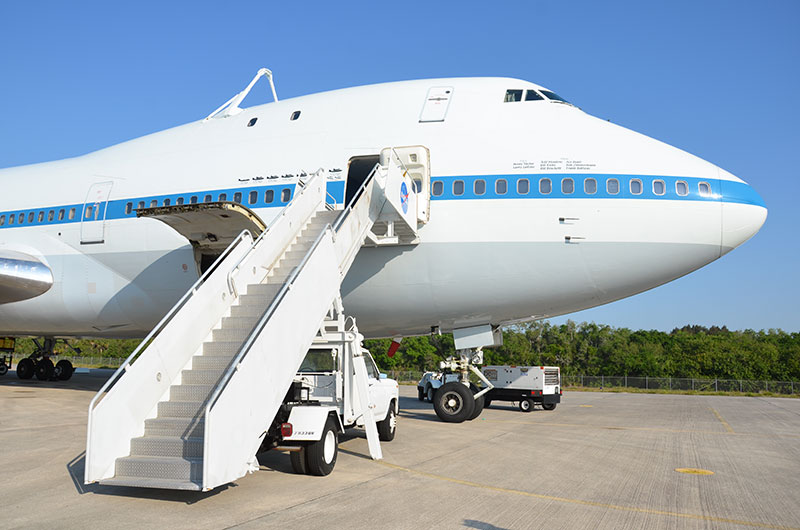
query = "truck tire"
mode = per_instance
[
  {"x": 388, "y": 426},
  {"x": 549, "y": 406},
  {"x": 321, "y": 455},
  {"x": 3, "y": 368},
  {"x": 453, "y": 402},
  {"x": 479, "y": 403},
  {"x": 299, "y": 464},
  {"x": 420, "y": 394},
  {"x": 25, "y": 368},
  {"x": 526, "y": 405}
]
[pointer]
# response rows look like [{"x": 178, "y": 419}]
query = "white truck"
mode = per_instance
[
  {"x": 527, "y": 385},
  {"x": 337, "y": 386}
]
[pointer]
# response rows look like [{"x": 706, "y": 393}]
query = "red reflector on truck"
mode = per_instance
[{"x": 286, "y": 429}]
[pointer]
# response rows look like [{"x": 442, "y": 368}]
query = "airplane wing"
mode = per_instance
[{"x": 22, "y": 276}]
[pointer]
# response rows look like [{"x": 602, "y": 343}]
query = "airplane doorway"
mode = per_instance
[{"x": 358, "y": 169}]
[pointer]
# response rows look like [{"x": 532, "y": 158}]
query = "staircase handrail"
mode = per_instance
[{"x": 342, "y": 216}]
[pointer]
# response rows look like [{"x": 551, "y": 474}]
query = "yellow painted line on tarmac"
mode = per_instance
[
  {"x": 693, "y": 471},
  {"x": 565, "y": 500},
  {"x": 725, "y": 423},
  {"x": 586, "y": 406}
]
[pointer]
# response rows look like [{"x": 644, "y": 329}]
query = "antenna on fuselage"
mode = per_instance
[{"x": 231, "y": 107}]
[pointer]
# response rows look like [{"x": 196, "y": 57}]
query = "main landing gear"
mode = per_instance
[
  {"x": 39, "y": 364},
  {"x": 459, "y": 401}
]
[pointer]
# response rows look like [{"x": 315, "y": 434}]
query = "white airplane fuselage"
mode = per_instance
[{"x": 483, "y": 258}]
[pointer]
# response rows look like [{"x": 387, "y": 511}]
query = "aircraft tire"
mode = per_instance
[
  {"x": 453, "y": 402},
  {"x": 549, "y": 406},
  {"x": 388, "y": 426},
  {"x": 44, "y": 369},
  {"x": 25, "y": 368},
  {"x": 480, "y": 403},
  {"x": 63, "y": 370},
  {"x": 299, "y": 462},
  {"x": 321, "y": 455},
  {"x": 526, "y": 405},
  {"x": 487, "y": 403}
]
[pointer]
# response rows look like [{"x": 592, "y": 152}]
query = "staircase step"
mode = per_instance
[
  {"x": 200, "y": 377},
  {"x": 208, "y": 362},
  {"x": 189, "y": 392},
  {"x": 138, "y": 482},
  {"x": 229, "y": 335},
  {"x": 222, "y": 349},
  {"x": 245, "y": 323},
  {"x": 267, "y": 290},
  {"x": 179, "y": 427},
  {"x": 171, "y": 446},
  {"x": 247, "y": 310},
  {"x": 260, "y": 300},
  {"x": 160, "y": 467},
  {"x": 179, "y": 409}
]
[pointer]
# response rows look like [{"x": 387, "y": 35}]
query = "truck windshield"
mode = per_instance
[{"x": 318, "y": 361}]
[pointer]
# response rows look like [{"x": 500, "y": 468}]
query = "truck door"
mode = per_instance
[
  {"x": 93, "y": 217},
  {"x": 377, "y": 390}
]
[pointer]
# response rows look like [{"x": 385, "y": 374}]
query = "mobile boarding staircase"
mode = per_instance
[{"x": 189, "y": 407}]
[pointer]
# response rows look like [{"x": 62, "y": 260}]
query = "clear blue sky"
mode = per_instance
[{"x": 717, "y": 78}]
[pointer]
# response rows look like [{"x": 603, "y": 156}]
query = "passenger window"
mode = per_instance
[
  {"x": 532, "y": 95},
  {"x": 2, "y": 220},
  {"x": 50, "y": 215},
  {"x": 153, "y": 203},
  {"x": 704, "y": 189},
  {"x": 40, "y": 217},
  {"x": 253, "y": 198},
  {"x": 681, "y": 188},
  {"x": 501, "y": 186},
  {"x": 71, "y": 214},
  {"x": 21, "y": 218},
  {"x": 141, "y": 205},
  {"x": 179, "y": 200},
  {"x": 523, "y": 186},
  {"x": 612, "y": 186},
  {"x": 479, "y": 187},
  {"x": 567, "y": 186},
  {"x": 269, "y": 196},
  {"x": 128, "y": 208},
  {"x": 207, "y": 198},
  {"x": 636, "y": 186},
  {"x": 87, "y": 214},
  {"x": 61, "y": 214},
  {"x": 545, "y": 186},
  {"x": 590, "y": 186},
  {"x": 659, "y": 188},
  {"x": 286, "y": 194},
  {"x": 237, "y": 197},
  {"x": 167, "y": 202},
  {"x": 438, "y": 188},
  {"x": 11, "y": 219},
  {"x": 193, "y": 199},
  {"x": 295, "y": 115},
  {"x": 458, "y": 187},
  {"x": 513, "y": 95},
  {"x": 223, "y": 197}
]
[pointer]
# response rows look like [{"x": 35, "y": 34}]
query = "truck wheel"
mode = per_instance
[
  {"x": 453, "y": 402},
  {"x": 3, "y": 368},
  {"x": 549, "y": 406},
  {"x": 25, "y": 368},
  {"x": 388, "y": 426},
  {"x": 298, "y": 459},
  {"x": 430, "y": 392},
  {"x": 321, "y": 455},
  {"x": 479, "y": 403},
  {"x": 526, "y": 405},
  {"x": 420, "y": 394},
  {"x": 63, "y": 370},
  {"x": 44, "y": 369}
]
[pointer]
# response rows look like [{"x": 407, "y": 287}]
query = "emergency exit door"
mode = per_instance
[{"x": 93, "y": 216}]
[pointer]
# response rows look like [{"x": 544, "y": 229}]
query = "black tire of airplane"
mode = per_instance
[
  {"x": 487, "y": 403},
  {"x": 463, "y": 402},
  {"x": 526, "y": 405},
  {"x": 549, "y": 406},
  {"x": 25, "y": 368},
  {"x": 44, "y": 369},
  {"x": 480, "y": 403},
  {"x": 315, "y": 452},
  {"x": 63, "y": 370},
  {"x": 420, "y": 394},
  {"x": 388, "y": 426},
  {"x": 298, "y": 459}
]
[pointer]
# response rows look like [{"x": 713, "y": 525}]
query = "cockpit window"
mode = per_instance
[
  {"x": 553, "y": 96},
  {"x": 513, "y": 95},
  {"x": 532, "y": 95}
]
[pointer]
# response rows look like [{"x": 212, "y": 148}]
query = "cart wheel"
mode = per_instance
[
  {"x": 44, "y": 369},
  {"x": 63, "y": 370},
  {"x": 549, "y": 406},
  {"x": 429, "y": 393},
  {"x": 526, "y": 405},
  {"x": 3, "y": 368},
  {"x": 25, "y": 368}
]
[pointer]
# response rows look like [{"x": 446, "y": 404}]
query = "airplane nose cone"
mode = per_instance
[{"x": 743, "y": 214}]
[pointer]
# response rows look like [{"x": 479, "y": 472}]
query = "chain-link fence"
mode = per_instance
[{"x": 681, "y": 383}]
